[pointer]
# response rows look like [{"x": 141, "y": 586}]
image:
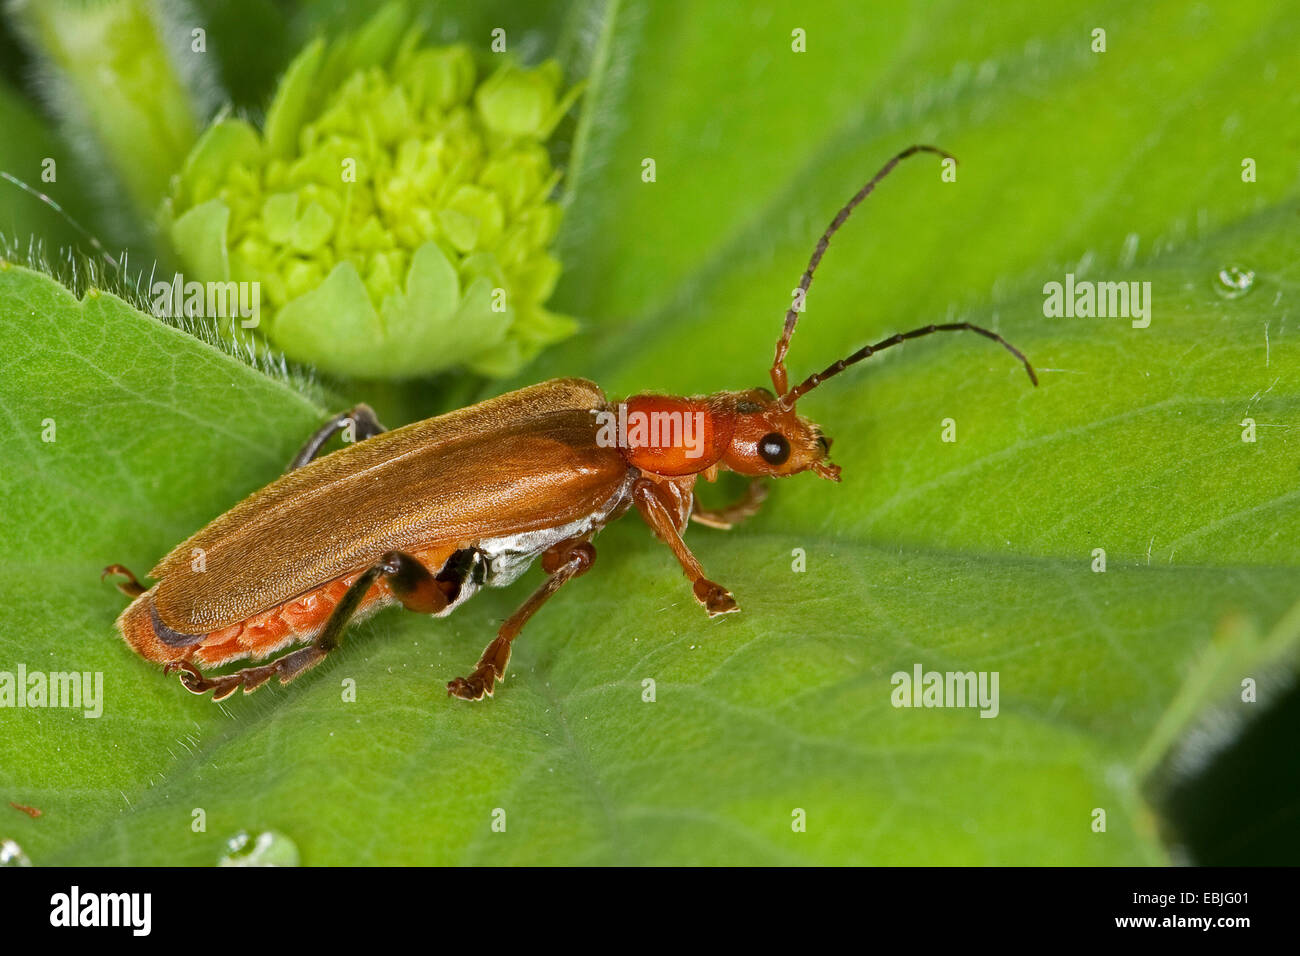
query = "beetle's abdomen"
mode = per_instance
[{"x": 294, "y": 622}]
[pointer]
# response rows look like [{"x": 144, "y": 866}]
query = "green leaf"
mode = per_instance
[{"x": 976, "y": 555}]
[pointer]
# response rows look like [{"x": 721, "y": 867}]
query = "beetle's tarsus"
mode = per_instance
[
  {"x": 650, "y": 502},
  {"x": 471, "y": 688},
  {"x": 192, "y": 680},
  {"x": 716, "y": 599},
  {"x": 563, "y": 561},
  {"x": 250, "y": 679},
  {"x": 728, "y": 516},
  {"x": 130, "y": 587},
  {"x": 258, "y": 676},
  {"x": 491, "y": 669}
]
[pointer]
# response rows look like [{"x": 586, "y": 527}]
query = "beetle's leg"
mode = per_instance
[
  {"x": 426, "y": 593},
  {"x": 408, "y": 579},
  {"x": 649, "y": 501},
  {"x": 130, "y": 587},
  {"x": 728, "y": 515},
  {"x": 564, "y": 561},
  {"x": 361, "y": 419},
  {"x": 290, "y": 665}
]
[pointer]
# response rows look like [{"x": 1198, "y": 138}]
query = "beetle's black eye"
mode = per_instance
[{"x": 774, "y": 449}]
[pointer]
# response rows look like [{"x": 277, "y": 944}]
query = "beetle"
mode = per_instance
[{"x": 425, "y": 515}]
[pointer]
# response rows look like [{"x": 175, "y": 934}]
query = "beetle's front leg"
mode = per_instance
[
  {"x": 655, "y": 510},
  {"x": 361, "y": 419},
  {"x": 562, "y": 562},
  {"x": 726, "y": 517}
]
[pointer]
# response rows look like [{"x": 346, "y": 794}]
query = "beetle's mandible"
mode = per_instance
[{"x": 427, "y": 514}]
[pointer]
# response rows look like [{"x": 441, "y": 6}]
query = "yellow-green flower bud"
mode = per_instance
[{"x": 396, "y": 213}]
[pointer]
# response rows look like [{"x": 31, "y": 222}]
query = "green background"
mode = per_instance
[{"x": 975, "y": 555}]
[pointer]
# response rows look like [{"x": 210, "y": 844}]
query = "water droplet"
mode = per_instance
[
  {"x": 11, "y": 854},
  {"x": 1233, "y": 282},
  {"x": 268, "y": 848}
]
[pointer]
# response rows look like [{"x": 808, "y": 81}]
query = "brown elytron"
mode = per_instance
[{"x": 426, "y": 514}]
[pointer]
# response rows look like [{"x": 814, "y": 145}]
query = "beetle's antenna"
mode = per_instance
[
  {"x": 812, "y": 381},
  {"x": 792, "y": 316},
  {"x": 98, "y": 246}
]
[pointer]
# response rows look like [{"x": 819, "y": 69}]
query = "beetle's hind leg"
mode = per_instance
[
  {"x": 408, "y": 580},
  {"x": 562, "y": 562},
  {"x": 290, "y": 665},
  {"x": 361, "y": 420}
]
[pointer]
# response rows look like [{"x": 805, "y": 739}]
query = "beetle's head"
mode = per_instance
[{"x": 769, "y": 439}]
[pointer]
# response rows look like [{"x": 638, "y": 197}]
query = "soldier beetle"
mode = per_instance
[{"x": 427, "y": 514}]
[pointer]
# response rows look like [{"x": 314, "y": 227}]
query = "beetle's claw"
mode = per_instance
[
  {"x": 716, "y": 599},
  {"x": 491, "y": 668},
  {"x": 474, "y": 687},
  {"x": 192, "y": 679},
  {"x": 466, "y": 688}
]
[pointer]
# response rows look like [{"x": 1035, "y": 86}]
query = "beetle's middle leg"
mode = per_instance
[
  {"x": 562, "y": 562},
  {"x": 409, "y": 581},
  {"x": 361, "y": 419}
]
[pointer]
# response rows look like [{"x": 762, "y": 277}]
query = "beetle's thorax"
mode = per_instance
[{"x": 667, "y": 435}]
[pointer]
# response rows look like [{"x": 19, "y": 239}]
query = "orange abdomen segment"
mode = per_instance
[{"x": 294, "y": 622}]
